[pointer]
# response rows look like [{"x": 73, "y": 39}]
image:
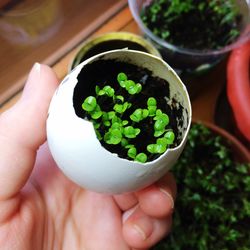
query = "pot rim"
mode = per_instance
[
  {"x": 119, "y": 35},
  {"x": 244, "y": 153},
  {"x": 244, "y": 36}
]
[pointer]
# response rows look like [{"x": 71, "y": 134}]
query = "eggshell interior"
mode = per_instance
[{"x": 79, "y": 154}]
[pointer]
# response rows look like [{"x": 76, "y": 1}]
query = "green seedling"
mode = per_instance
[
  {"x": 109, "y": 91},
  {"x": 121, "y": 78},
  {"x": 139, "y": 114},
  {"x": 152, "y": 106},
  {"x": 120, "y": 98},
  {"x": 217, "y": 23},
  {"x": 96, "y": 113},
  {"x": 170, "y": 136},
  {"x": 141, "y": 157},
  {"x": 113, "y": 136},
  {"x": 89, "y": 104},
  {"x": 118, "y": 125},
  {"x": 161, "y": 121},
  {"x": 132, "y": 152},
  {"x": 161, "y": 144},
  {"x": 132, "y": 87},
  {"x": 131, "y": 132},
  {"x": 121, "y": 108}
]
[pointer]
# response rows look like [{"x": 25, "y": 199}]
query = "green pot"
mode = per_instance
[{"x": 111, "y": 41}]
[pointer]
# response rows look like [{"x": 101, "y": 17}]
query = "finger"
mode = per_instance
[
  {"x": 125, "y": 201},
  {"x": 142, "y": 231},
  {"x": 158, "y": 200},
  {"x": 22, "y": 130}
]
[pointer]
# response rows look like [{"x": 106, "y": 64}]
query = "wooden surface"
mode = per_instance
[
  {"x": 66, "y": 24},
  {"x": 203, "y": 105}
]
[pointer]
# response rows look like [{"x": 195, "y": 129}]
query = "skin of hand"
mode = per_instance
[{"x": 42, "y": 209}]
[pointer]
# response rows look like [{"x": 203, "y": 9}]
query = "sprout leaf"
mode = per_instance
[
  {"x": 142, "y": 157},
  {"x": 89, "y": 104}
]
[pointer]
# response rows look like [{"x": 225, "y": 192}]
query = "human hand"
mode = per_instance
[{"x": 42, "y": 209}]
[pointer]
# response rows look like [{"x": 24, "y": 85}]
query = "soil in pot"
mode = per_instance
[
  {"x": 212, "y": 209},
  {"x": 111, "y": 45},
  {"x": 104, "y": 72},
  {"x": 196, "y": 24}
]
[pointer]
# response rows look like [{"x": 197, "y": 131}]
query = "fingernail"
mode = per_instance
[
  {"x": 128, "y": 213},
  {"x": 164, "y": 191},
  {"x": 34, "y": 76},
  {"x": 36, "y": 68},
  {"x": 143, "y": 227},
  {"x": 140, "y": 232}
]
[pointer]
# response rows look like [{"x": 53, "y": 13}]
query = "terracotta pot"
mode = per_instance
[{"x": 240, "y": 151}]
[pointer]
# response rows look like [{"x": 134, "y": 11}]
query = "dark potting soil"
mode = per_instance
[
  {"x": 104, "y": 72},
  {"x": 199, "y": 29},
  {"x": 110, "y": 45}
]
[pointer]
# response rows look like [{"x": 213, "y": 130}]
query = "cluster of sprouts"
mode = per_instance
[{"x": 121, "y": 131}]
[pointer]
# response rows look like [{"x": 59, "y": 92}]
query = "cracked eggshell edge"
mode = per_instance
[{"x": 80, "y": 155}]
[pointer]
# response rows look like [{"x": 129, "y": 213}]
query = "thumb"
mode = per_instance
[{"x": 23, "y": 130}]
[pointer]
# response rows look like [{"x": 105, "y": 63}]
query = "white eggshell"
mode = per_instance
[{"x": 79, "y": 154}]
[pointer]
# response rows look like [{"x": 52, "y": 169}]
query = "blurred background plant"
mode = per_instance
[
  {"x": 193, "y": 35},
  {"x": 213, "y": 205},
  {"x": 194, "y": 24}
]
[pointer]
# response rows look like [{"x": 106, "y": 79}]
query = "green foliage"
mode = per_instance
[
  {"x": 121, "y": 108},
  {"x": 170, "y": 136},
  {"x": 132, "y": 152},
  {"x": 161, "y": 144},
  {"x": 132, "y": 87},
  {"x": 161, "y": 121},
  {"x": 151, "y": 102},
  {"x": 117, "y": 126},
  {"x": 141, "y": 157},
  {"x": 131, "y": 132},
  {"x": 212, "y": 209},
  {"x": 194, "y": 24},
  {"x": 89, "y": 103},
  {"x": 96, "y": 113},
  {"x": 107, "y": 90},
  {"x": 120, "y": 98},
  {"x": 139, "y": 114},
  {"x": 152, "y": 106},
  {"x": 121, "y": 78},
  {"x": 113, "y": 136}
]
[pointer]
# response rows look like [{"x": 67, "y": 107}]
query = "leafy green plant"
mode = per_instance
[
  {"x": 118, "y": 127},
  {"x": 194, "y": 24},
  {"x": 212, "y": 209}
]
